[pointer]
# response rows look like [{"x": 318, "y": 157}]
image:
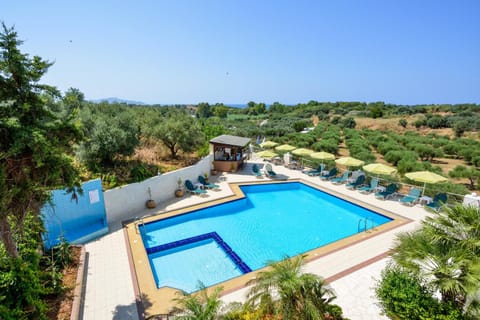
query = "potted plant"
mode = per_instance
[
  {"x": 205, "y": 175},
  {"x": 150, "y": 202},
  {"x": 179, "y": 191},
  {"x": 232, "y": 167}
]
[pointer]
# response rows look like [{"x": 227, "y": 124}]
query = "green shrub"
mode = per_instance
[
  {"x": 402, "y": 296},
  {"x": 420, "y": 123},
  {"x": 348, "y": 122},
  {"x": 20, "y": 290},
  {"x": 384, "y": 147},
  {"x": 21, "y": 285},
  {"x": 395, "y": 156},
  {"x": 327, "y": 145},
  {"x": 62, "y": 254},
  {"x": 408, "y": 165},
  {"x": 139, "y": 173},
  {"x": 452, "y": 148}
]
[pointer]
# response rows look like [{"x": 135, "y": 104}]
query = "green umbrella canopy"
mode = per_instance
[
  {"x": 302, "y": 152},
  {"x": 425, "y": 177},
  {"x": 379, "y": 168},
  {"x": 322, "y": 155},
  {"x": 267, "y": 154},
  {"x": 268, "y": 144},
  {"x": 285, "y": 148},
  {"x": 349, "y": 162}
]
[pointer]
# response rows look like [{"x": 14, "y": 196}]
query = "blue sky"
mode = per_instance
[{"x": 404, "y": 52}]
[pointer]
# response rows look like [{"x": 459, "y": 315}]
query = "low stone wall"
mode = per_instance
[{"x": 129, "y": 201}]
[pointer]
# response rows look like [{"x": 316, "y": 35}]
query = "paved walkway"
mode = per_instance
[{"x": 109, "y": 290}]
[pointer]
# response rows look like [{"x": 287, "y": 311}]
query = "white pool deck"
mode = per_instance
[{"x": 109, "y": 291}]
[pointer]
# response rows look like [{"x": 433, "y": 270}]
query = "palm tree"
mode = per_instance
[
  {"x": 445, "y": 253},
  {"x": 284, "y": 290},
  {"x": 200, "y": 305}
]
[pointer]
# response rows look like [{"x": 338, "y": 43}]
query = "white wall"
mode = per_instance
[{"x": 128, "y": 201}]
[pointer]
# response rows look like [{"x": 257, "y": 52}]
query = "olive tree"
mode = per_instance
[
  {"x": 109, "y": 135},
  {"x": 471, "y": 174},
  {"x": 179, "y": 131}
]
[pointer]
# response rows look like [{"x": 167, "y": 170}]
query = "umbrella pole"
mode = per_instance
[{"x": 424, "y": 186}]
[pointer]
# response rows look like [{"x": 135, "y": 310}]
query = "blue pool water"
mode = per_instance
[{"x": 273, "y": 221}]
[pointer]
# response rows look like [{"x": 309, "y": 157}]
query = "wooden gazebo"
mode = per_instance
[{"x": 229, "y": 152}]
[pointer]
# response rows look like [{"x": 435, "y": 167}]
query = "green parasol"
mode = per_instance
[
  {"x": 349, "y": 162},
  {"x": 267, "y": 154},
  {"x": 302, "y": 152},
  {"x": 268, "y": 144},
  {"x": 379, "y": 169},
  {"x": 425, "y": 177},
  {"x": 322, "y": 155},
  {"x": 285, "y": 148}
]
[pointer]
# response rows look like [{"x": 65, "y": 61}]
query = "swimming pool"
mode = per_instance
[{"x": 271, "y": 222}]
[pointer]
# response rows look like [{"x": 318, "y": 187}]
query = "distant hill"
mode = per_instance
[
  {"x": 237, "y": 105},
  {"x": 117, "y": 100}
]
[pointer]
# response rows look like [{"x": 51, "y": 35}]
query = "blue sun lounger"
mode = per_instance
[
  {"x": 389, "y": 191},
  {"x": 357, "y": 183},
  {"x": 207, "y": 185},
  {"x": 367, "y": 189},
  {"x": 330, "y": 175},
  {"x": 315, "y": 172},
  {"x": 438, "y": 201},
  {"x": 256, "y": 171},
  {"x": 269, "y": 171},
  {"x": 411, "y": 197},
  {"x": 192, "y": 189},
  {"x": 341, "y": 179}
]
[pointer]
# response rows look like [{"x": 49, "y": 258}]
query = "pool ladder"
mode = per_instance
[
  {"x": 138, "y": 221},
  {"x": 365, "y": 221}
]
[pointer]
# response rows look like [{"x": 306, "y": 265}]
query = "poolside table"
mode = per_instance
[
  {"x": 471, "y": 200},
  {"x": 425, "y": 200},
  {"x": 199, "y": 185}
]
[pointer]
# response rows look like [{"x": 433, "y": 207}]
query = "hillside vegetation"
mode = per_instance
[{"x": 128, "y": 143}]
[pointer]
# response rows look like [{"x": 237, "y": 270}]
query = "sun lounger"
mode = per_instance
[
  {"x": 367, "y": 189},
  {"x": 330, "y": 175},
  {"x": 341, "y": 179},
  {"x": 269, "y": 171},
  {"x": 412, "y": 196},
  {"x": 389, "y": 191},
  {"x": 438, "y": 201},
  {"x": 207, "y": 185},
  {"x": 256, "y": 171},
  {"x": 315, "y": 172},
  {"x": 357, "y": 183},
  {"x": 192, "y": 189}
]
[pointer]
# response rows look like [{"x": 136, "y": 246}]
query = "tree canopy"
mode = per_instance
[
  {"x": 34, "y": 140},
  {"x": 178, "y": 131},
  {"x": 110, "y": 134}
]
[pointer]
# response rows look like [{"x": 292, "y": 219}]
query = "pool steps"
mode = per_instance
[{"x": 211, "y": 235}]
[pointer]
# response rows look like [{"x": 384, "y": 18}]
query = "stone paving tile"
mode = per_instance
[
  {"x": 356, "y": 295},
  {"x": 109, "y": 290}
]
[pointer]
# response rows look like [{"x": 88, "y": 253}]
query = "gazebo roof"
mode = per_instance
[{"x": 231, "y": 140}]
